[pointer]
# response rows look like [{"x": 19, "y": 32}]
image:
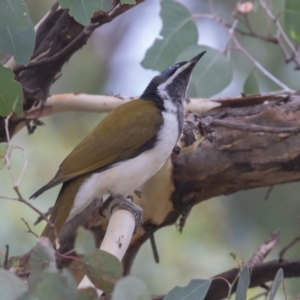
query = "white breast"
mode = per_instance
[{"x": 124, "y": 177}]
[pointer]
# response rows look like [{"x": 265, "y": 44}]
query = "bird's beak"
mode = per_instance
[
  {"x": 195, "y": 59},
  {"x": 190, "y": 64}
]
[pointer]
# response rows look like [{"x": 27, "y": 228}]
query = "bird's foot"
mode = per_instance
[{"x": 121, "y": 202}]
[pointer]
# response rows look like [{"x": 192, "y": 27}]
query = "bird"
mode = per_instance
[{"x": 124, "y": 150}]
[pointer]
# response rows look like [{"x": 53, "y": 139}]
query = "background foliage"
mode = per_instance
[{"x": 236, "y": 223}]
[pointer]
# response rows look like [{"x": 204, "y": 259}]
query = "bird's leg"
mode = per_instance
[{"x": 120, "y": 202}]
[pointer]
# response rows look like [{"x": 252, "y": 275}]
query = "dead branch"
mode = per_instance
[{"x": 262, "y": 252}]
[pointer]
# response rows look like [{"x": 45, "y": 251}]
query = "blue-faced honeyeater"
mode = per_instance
[{"x": 126, "y": 149}]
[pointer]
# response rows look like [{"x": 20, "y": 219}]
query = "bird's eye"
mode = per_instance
[{"x": 170, "y": 71}]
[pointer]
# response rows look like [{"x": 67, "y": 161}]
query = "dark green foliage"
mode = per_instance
[
  {"x": 206, "y": 80},
  {"x": 11, "y": 286},
  {"x": 85, "y": 243},
  {"x": 292, "y": 19},
  {"x": 243, "y": 284},
  {"x": 103, "y": 269},
  {"x": 11, "y": 96},
  {"x": 195, "y": 290},
  {"x": 277, "y": 281},
  {"x": 16, "y": 31},
  {"x": 251, "y": 85},
  {"x": 42, "y": 257},
  {"x": 179, "y": 31},
  {"x": 82, "y": 11},
  {"x": 131, "y": 288}
]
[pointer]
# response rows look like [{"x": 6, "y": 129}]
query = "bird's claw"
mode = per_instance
[{"x": 121, "y": 202}]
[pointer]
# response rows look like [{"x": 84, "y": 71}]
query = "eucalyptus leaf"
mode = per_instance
[
  {"x": 85, "y": 242},
  {"x": 276, "y": 283},
  {"x": 131, "y": 288},
  {"x": 292, "y": 19},
  {"x": 195, "y": 290},
  {"x": 11, "y": 286},
  {"x": 19, "y": 43},
  {"x": 243, "y": 284},
  {"x": 3, "y": 148},
  {"x": 131, "y": 2},
  {"x": 212, "y": 74},
  {"x": 11, "y": 96},
  {"x": 251, "y": 85},
  {"x": 83, "y": 10},
  {"x": 87, "y": 294},
  {"x": 14, "y": 14},
  {"x": 103, "y": 269},
  {"x": 54, "y": 285},
  {"x": 42, "y": 257},
  {"x": 179, "y": 31}
]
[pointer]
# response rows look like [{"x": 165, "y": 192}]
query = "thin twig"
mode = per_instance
[
  {"x": 269, "y": 39},
  {"x": 16, "y": 183},
  {"x": 262, "y": 252},
  {"x": 288, "y": 246},
  {"x": 252, "y": 33},
  {"x": 231, "y": 31},
  {"x": 270, "y": 188},
  {"x": 47, "y": 213},
  {"x": 21, "y": 199},
  {"x": 24, "y": 164},
  {"x": 6, "y": 257},
  {"x": 254, "y": 61},
  {"x": 29, "y": 230},
  {"x": 268, "y": 11}
]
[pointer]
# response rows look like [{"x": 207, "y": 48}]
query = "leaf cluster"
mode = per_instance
[{"x": 47, "y": 282}]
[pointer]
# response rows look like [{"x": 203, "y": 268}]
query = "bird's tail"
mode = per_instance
[{"x": 62, "y": 207}]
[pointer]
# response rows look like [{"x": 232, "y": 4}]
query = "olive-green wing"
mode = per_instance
[{"x": 117, "y": 137}]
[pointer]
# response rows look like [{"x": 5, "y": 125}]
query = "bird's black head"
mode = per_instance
[{"x": 171, "y": 85}]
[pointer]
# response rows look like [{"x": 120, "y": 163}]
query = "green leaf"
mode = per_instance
[
  {"x": 11, "y": 286},
  {"x": 179, "y": 31},
  {"x": 233, "y": 255},
  {"x": 14, "y": 262},
  {"x": 16, "y": 30},
  {"x": 3, "y": 148},
  {"x": 105, "y": 5},
  {"x": 85, "y": 242},
  {"x": 11, "y": 96},
  {"x": 13, "y": 13},
  {"x": 292, "y": 19},
  {"x": 83, "y": 10},
  {"x": 276, "y": 283},
  {"x": 130, "y": 2},
  {"x": 196, "y": 289},
  {"x": 103, "y": 269},
  {"x": 54, "y": 285},
  {"x": 131, "y": 288},
  {"x": 251, "y": 85},
  {"x": 42, "y": 257},
  {"x": 243, "y": 284},
  {"x": 27, "y": 296},
  {"x": 211, "y": 75},
  {"x": 87, "y": 294}
]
